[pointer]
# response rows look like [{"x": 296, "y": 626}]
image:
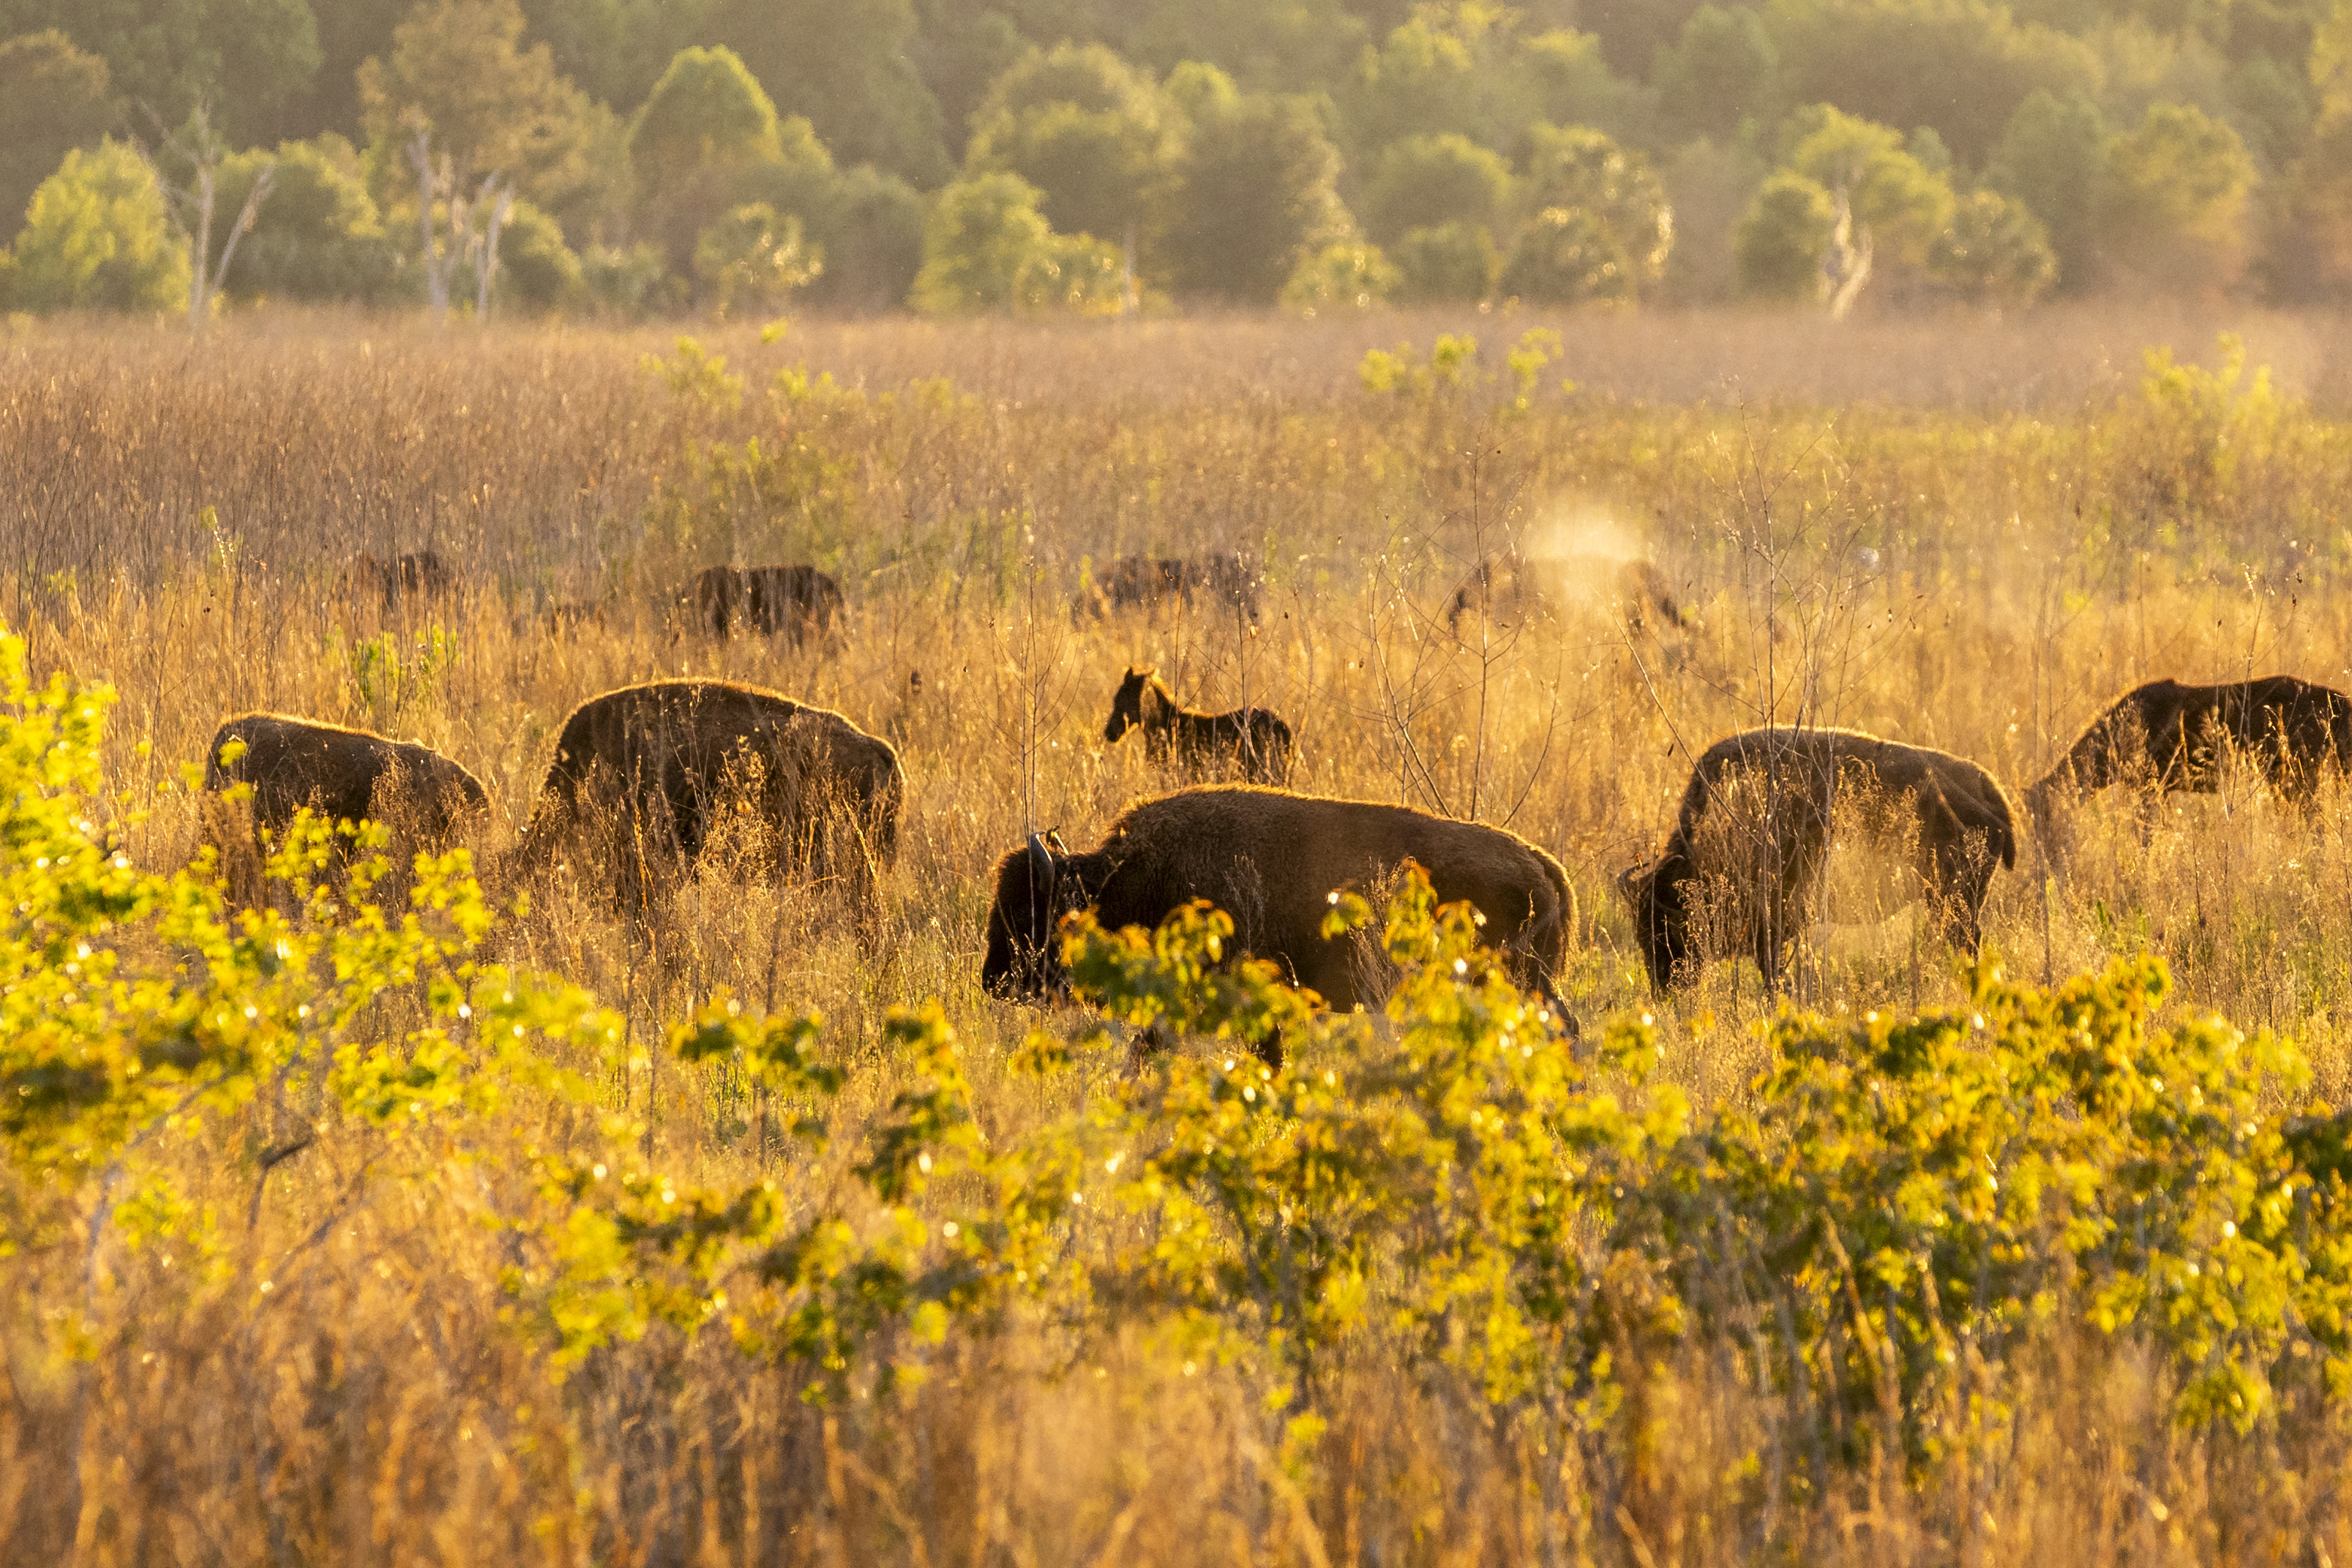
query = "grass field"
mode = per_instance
[{"x": 1965, "y": 534}]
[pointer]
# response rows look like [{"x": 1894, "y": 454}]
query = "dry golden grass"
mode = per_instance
[{"x": 1961, "y": 533}]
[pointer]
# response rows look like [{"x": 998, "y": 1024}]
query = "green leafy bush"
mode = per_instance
[
  {"x": 1894, "y": 1227},
  {"x": 96, "y": 238}
]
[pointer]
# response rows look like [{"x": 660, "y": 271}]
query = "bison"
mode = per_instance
[
  {"x": 799, "y": 601},
  {"x": 1512, "y": 589},
  {"x": 2165, "y": 736},
  {"x": 1271, "y": 859},
  {"x": 1253, "y": 739},
  {"x": 341, "y": 776},
  {"x": 1753, "y": 834},
  {"x": 421, "y": 574},
  {"x": 1144, "y": 582},
  {"x": 646, "y": 775}
]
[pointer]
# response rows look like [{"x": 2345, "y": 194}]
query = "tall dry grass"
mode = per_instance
[{"x": 1968, "y": 535}]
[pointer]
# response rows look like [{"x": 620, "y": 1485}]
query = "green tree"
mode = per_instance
[
  {"x": 1777, "y": 246},
  {"x": 1093, "y": 135},
  {"x": 984, "y": 235},
  {"x": 1467, "y": 67},
  {"x": 461, "y": 120},
  {"x": 1424, "y": 182},
  {"x": 1450, "y": 261},
  {"x": 537, "y": 271},
  {"x": 1289, "y": 45},
  {"x": 754, "y": 259},
  {"x": 872, "y": 236},
  {"x": 2311, "y": 252},
  {"x": 961, "y": 51},
  {"x": 1600, "y": 227},
  {"x": 1995, "y": 251},
  {"x": 96, "y": 238},
  {"x": 248, "y": 59},
  {"x": 1710, "y": 184},
  {"x": 318, "y": 238},
  {"x": 1344, "y": 276},
  {"x": 53, "y": 98},
  {"x": 1960, "y": 66},
  {"x": 1900, "y": 202},
  {"x": 2052, "y": 156},
  {"x": 1724, "y": 69},
  {"x": 850, "y": 70},
  {"x": 2176, "y": 190},
  {"x": 1259, "y": 192},
  {"x": 708, "y": 140}
]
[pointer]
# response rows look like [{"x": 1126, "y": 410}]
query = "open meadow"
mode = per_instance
[{"x": 325, "y": 1311}]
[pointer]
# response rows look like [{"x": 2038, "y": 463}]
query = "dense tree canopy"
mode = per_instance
[{"x": 1235, "y": 151}]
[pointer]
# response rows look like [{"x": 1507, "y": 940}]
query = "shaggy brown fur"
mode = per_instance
[
  {"x": 1754, "y": 833},
  {"x": 645, "y": 774},
  {"x": 1142, "y": 582},
  {"x": 1252, "y": 739},
  {"x": 420, "y": 574},
  {"x": 799, "y": 601},
  {"x": 2164, "y": 737},
  {"x": 340, "y": 775},
  {"x": 1509, "y": 590},
  {"x": 1270, "y": 858}
]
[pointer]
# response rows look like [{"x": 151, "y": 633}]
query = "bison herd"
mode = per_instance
[{"x": 644, "y": 779}]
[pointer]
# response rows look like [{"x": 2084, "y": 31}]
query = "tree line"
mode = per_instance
[{"x": 715, "y": 156}]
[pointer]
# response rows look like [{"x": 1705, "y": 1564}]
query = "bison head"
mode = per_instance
[
  {"x": 1660, "y": 919},
  {"x": 1035, "y": 886}
]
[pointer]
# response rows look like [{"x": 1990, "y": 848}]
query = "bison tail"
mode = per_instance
[{"x": 2004, "y": 829}]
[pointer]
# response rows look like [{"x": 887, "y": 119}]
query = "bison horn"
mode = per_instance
[
  {"x": 1041, "y": 859},
  {"x": 1054, "y": 841}
]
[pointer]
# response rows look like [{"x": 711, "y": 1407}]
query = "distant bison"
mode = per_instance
[
  {"x": 648, "y": 774},
  {"x": 1753, "y": 834},
  {"x": 340, "y": 775},
  {"x": 420, "y": 574},
  {"x": 1143, "y": 583},
  {"x": 568, "y": 615},
  {"x": 797, "y": 601},
  {"x": 1252, "y": 739},
  {"x": 2166, "y": 736},
  {"x": 1271, "y": 859},
  {"x": 1513, "y": 588}
]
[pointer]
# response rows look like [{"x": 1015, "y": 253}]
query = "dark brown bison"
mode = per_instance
[
  {"x": 1513, "y": 588},
  {"x": 2164, "y": 737},
  {"x": 567, "y": 616},
  {"x": 1739, "y": 871},
  {"x": 647, "y": 775},
  {"x": 421, "y": 574},
  {"x": 340, "y": 775},
  {"x": 1254, "y": 740},
  {"x": 1271, "y": 859},
  {"x": 1144, "y": 582},
  {"x": 797, "y": 601}
]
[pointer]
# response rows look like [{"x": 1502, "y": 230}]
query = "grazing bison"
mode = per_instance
[
  {"x": 1510, "y": 589},
  {"x": 568, "y": 615},
  {"x": 1270, "y": 860},
  {"x": 648, "y": 774},
  {"x": 799, "y": 601},
  {"x": 2165, "y": 736},
  {"x": 340, "y": 775},
  {"x": 420, "y": 574},
  {"x": 1253, "y": 739},
  {"x": 1143, "y": 583},
  {"x": 1748, "y": 846}
]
